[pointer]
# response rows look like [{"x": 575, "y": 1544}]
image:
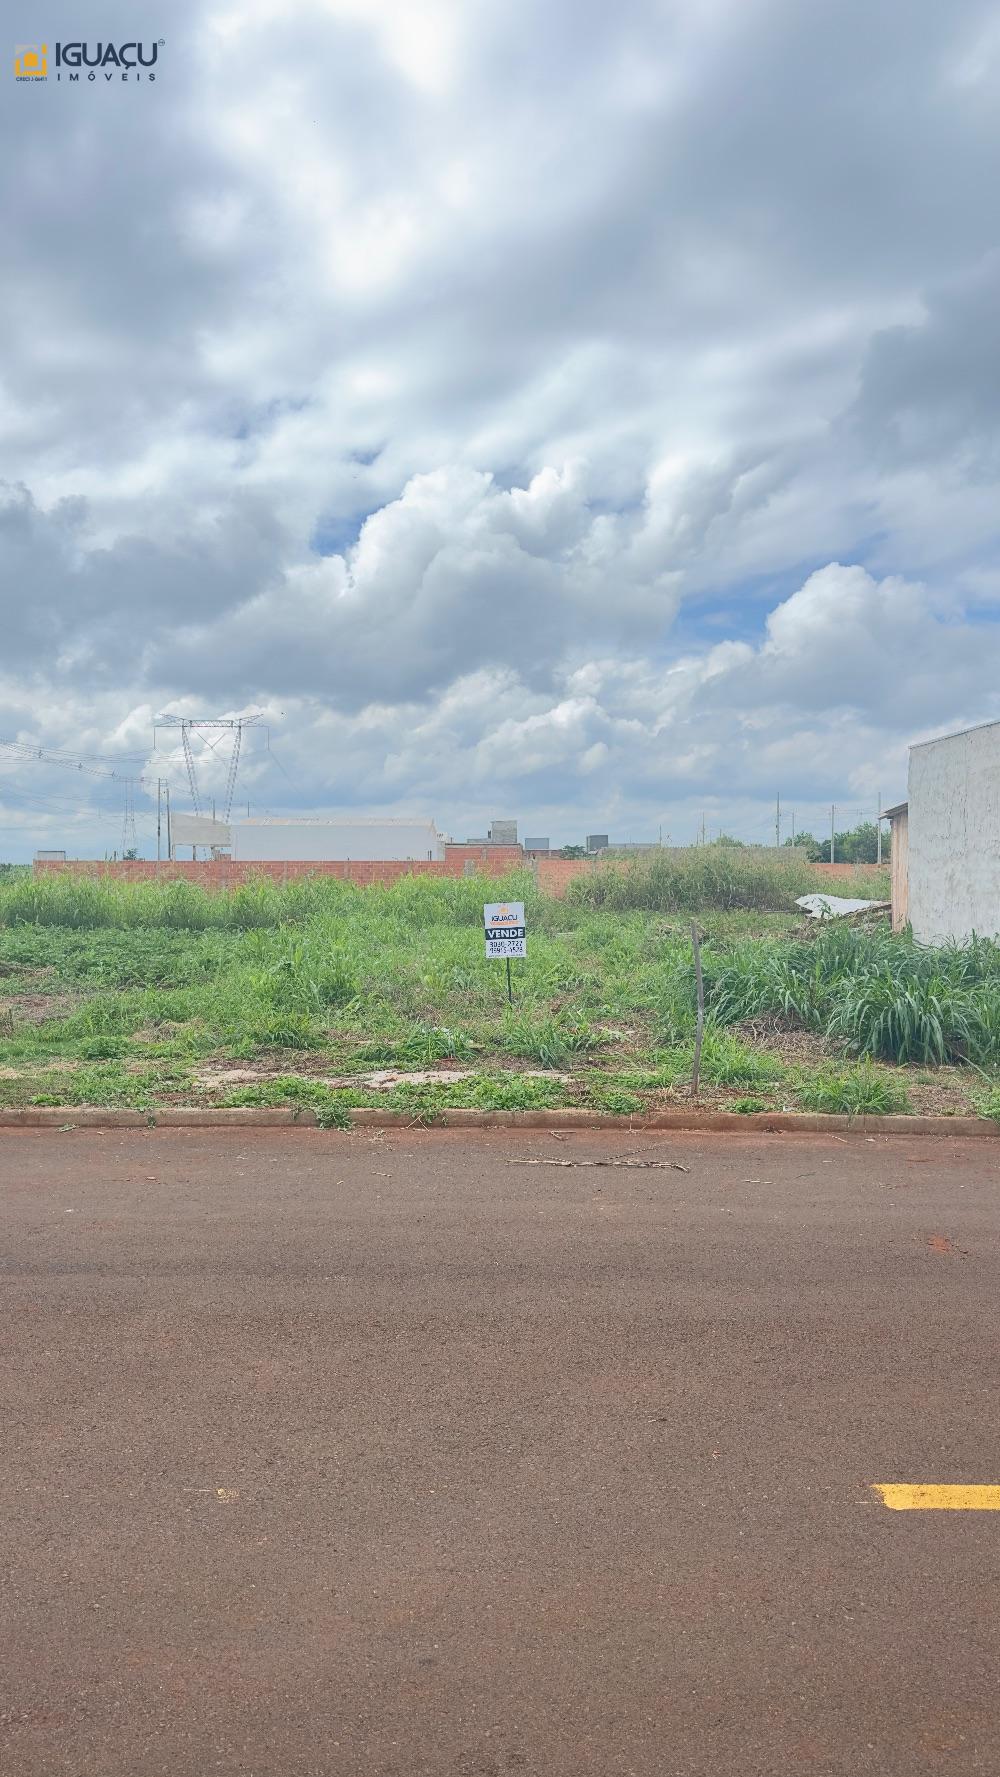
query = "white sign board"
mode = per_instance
[{"x": 505, "y": 929}]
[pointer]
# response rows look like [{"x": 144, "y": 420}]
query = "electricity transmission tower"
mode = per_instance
[
  {"x": 206, "y": 726},
  {"x": 17, "y": 749}
]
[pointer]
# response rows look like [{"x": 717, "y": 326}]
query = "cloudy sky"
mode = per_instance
[{"x": 578, "y": 412}]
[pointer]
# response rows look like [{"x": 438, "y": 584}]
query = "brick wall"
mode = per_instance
[
  {"x": 221, "y": 873},
  {"x": 849, "y": 869},
  {"x": 491, "y": 859},
  {"x": 554, "y": 875}
]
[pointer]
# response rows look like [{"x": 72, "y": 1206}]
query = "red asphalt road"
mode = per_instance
[{"x": 381, "y": 1454}]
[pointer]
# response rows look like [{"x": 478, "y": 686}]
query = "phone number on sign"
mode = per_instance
[{"x": 506, "y": 946}]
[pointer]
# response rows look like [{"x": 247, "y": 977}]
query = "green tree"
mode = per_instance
[
  {"x": 812, "y": 847},
  {"x": 855, "y": 845},
  {"x": 859, "y": 845}
]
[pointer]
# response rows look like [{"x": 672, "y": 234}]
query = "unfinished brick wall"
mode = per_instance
[
  {"x": 849, "y": 869},
  {"x": 223, "y": 873},
  {"x": 552, "y": 874},
  {"x": 490, "y": 859}
]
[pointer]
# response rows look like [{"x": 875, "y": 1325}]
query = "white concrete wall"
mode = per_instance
[
  {"x": 197, "y": 829},
  {"x": 954, "y": 836},
  {"x": 293, "y": 841}
]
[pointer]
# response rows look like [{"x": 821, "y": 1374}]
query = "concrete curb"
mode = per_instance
[{"x": 240, "y": 1117}]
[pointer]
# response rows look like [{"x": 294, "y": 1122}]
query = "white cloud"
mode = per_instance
[{"x": 456, "y": 378}]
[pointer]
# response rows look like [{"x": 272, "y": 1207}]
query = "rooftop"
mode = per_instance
[
  {"x": 337, "y": 820},
  {"x": 937, "y": 739}
]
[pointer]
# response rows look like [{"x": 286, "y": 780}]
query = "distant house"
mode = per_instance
[{"x": 946, "y": 839}]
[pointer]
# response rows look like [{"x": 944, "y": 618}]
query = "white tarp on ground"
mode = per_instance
[{"x": 835, "y": 906}]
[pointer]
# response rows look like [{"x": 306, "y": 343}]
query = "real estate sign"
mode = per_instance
[{"x": 505, "y": 929}]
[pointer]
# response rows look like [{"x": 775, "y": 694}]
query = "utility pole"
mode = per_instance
[
  {"x": 159, "y": 798},
  {"x": 793, "y": 829},
  {"x": 703, "y": 826},
  {"x": 777, "y": 822},
  {"x": 170, "y": 849},
  {"x": 833, "y": 835},
  {"x": 878, "y": 831}
]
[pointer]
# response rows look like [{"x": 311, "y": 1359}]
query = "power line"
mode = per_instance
[
  {"x": 205, "y": 726},
  {"x": 20, "y": 749}
]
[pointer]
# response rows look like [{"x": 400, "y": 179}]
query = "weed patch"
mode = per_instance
[{"x": 853, "y": 1092}]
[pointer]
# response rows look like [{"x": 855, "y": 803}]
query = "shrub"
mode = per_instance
[
  {"x": 103, "y": 1048},
  {"x": 920, "y": 1019},
  {"x": 280, "y": 1030},
  {"x": 418, "y": 1049},
  {"x": 549, "y": 1041},
  {"x": 726, "y": 1062},
  {"x": 853, "y": 1093}
]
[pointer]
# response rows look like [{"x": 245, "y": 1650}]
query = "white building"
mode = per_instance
[
  {"x": 950, "y": 829},
  {"x": 288, "y": 840},
  {"x": 198, "y": 830}
]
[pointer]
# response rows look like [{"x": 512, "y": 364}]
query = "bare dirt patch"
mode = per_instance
[
  {"x": 788, "y": 1042},
  {"x": 381, "y": 1079},
  {"x": 37, "y": 1008},
  {"x": 32, "y": 1070},
  {"x": 950, "y": 1093}
]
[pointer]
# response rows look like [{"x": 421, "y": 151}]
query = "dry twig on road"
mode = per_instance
[{"x": 665, "y": 1165}]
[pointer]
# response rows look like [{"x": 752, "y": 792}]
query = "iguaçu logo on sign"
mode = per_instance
[{"x": 88, "y": 61}]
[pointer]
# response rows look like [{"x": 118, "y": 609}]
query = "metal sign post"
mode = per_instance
[{"x": 505, "y": 934}]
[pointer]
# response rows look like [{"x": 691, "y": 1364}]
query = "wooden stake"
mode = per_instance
[{"x": 700, "y": 1025}]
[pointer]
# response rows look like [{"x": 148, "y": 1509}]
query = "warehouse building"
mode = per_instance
[
  {"x": 410, "y": 839},
  {"x": 308, "y": 839}
]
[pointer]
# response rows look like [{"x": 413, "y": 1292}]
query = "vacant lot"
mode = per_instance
[{"x": 330, "y": 996}]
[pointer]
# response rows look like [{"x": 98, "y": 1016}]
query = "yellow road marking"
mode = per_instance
[{"x": 917, "y": 1496}]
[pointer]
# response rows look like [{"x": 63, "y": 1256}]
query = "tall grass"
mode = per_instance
[
  {"x": 93, "y": 903},
  {"x": 704, "y": 877},
  {"x": 858, "y": 1091},
  {"x": 879, "y": 996}
]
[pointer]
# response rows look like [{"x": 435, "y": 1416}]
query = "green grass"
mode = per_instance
[
  {"x": 147, "y": 981},
  {"x": 877, "y": 995},
  {"x": 853, "y": 1092},
  {"x": 482, "y": 1092},
  {"x": 714, "y": 877},
  {"x": 988, "y": 1104}
]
